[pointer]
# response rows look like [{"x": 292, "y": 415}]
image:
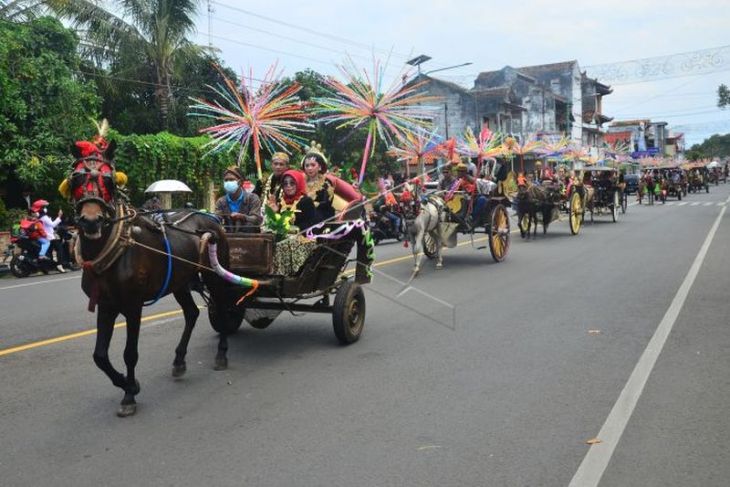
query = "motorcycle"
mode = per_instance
[
  {"x": 26, "y": 262},
  {"x": 382, "y": 228}
]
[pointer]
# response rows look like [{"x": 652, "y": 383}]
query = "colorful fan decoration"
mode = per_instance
[
  {"x": 487, "y": 145},
  {"x": 553, "y": 146},
  {"x": 577, "y": 153},
  {"x": 619, "y": 150},
  {"x": 416, "y": 148},
  {"x": 269, "y": 117},
  {"x": 360, "y": 101},
  {"x": 512, "y": 146}
]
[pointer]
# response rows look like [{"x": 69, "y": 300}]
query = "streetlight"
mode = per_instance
[
  {"x": 448, "y": 67},
  {"x": 418, "y": 60}
]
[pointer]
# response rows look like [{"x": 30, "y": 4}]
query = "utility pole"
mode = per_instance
[{"x": 210, "y": 14}]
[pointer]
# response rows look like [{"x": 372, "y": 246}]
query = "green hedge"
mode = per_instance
[{"x": 149, "y": 158}]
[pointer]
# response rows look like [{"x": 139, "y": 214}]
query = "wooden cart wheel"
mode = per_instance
[
  {"x": 576, "y": 213},
  {"x": 624, "y": 202},
  {"x": 227, "y": 322},
  {"x": 429, "y": 246},
  {"x": 615, "y": 207},
  {"x": 348, "y": 314},
  {"x": 499, "y": 233}
]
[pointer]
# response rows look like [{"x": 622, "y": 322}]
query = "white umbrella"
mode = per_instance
[{"x": 168, "y": 186}]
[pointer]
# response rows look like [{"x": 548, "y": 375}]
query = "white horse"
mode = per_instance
[{"x": 422, "y": 219}]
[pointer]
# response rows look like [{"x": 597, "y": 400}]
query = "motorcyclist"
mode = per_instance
[
  {"x": 49, "y": 227},
  {"x": 385, "y": 204}
]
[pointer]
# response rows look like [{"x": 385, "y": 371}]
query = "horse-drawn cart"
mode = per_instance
[
  {"x": 295, "y": 272},
  {"x": 544, "y": 203},
  {"x": 605, "y": 198},
  {"x": 492, "y": 217}
]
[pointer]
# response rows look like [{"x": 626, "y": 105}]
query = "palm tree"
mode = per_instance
[
  {"x": 20, "y": 10},
  {"x": 157, "y": 29}
]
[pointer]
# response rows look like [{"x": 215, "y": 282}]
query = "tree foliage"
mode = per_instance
[
  {"x": 152, "y": 32},
  {"x": 723, "y": 96},
  {"x": 43, "y": 104},
  {"x": 717, "y": 146},
  {"x": 151, "y": 157}
]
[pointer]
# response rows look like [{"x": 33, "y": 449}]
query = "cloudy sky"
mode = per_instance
[{"x": 491, "y": 34}]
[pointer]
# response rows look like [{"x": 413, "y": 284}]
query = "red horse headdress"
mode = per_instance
[{"x": 93, "y": 176}]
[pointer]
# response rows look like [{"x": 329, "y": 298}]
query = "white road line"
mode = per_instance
[
  {"x": 695, "y": 203},
  {"x": 682, "y": 203},
  {"x": 721, "y": 204},
  {"x": 36, "y": 283},
  {"x": 594, "y": 464},
  {"x": 671, "y": 203},
  {"x": 709, "y": 203}
]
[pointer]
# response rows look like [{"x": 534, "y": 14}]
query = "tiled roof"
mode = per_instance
[{"x": 547, "y": 68}]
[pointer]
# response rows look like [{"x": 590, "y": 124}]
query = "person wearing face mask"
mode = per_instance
[
  {"x": 240, "y": 211},
  {"x": 272, "y": 185}
]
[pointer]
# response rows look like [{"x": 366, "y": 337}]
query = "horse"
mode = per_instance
[
  {"x": 127, "y": 261},
  {"x": 532, "y": 200},
  {"x": 422, "y": 218}
]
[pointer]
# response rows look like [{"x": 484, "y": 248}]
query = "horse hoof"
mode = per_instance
[
  {"x": 439, "y": 266},
  {"x": 178, "y": 370},
  {"x": 127, "y": 410},
  {"x": 221, "y": 363}
]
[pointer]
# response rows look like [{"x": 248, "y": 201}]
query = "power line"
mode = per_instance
[
  {"x": 275, "y": 51},
  {"x": 263, "y": 31},
  {"x": 308, "y": 30},
  {"x": 317, "y": 46}
]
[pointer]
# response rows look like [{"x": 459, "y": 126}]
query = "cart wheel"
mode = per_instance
[
  {"x": 499, "y": 233},
  {"x": 228, "y": 322},
  {"x": 615, "y": 207},
  {"x": 18, "y": 267},
  {"x": 624, "y": 202},
  {"x": 576, "y": 213},
  {"x": 429, "y": 246},
  {"x": 348, "y": 314}
]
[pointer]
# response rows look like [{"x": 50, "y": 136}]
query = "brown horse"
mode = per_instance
[
  {"x": 130, "y": 259},
  {"x": 534, "y": 204}
]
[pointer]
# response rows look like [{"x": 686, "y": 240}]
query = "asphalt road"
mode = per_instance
[{"x": 500, "y": 381}]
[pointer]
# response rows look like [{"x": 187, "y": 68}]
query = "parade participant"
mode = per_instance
[
  {"x": 385, "y": 203},
  {"x": 467, "y": 183},
  {"x": 319, "y": 188},
  {"x": 537, "y": 173},
  {"x": 240, "y": 211},
  {"x": 293, "y": 197},
  {"x": 471, "y": 168},
  {"x": 49, "y": 228},
  {"x": 446, "y": 180},
  {"x": 279, "y": 164}
]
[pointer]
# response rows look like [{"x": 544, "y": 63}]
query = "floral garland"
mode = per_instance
[
  {"x": 336, "y": 234},
  {"x": 367, "y": 242}
]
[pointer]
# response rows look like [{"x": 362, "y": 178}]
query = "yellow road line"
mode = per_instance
[
  {"x": 81, "y": 334},
  {"x": 72, "y": 336}
]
